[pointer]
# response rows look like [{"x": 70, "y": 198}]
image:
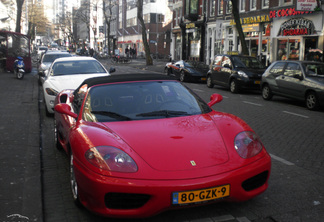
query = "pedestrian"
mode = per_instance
[
  {"x": 127, "y": 51},
  {"x": 91, "y": 51}
]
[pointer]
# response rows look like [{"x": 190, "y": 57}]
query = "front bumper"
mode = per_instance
[{"x": 153, "y": 196}]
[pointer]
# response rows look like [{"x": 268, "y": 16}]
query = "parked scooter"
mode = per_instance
[{"x": 19, "y": 67}]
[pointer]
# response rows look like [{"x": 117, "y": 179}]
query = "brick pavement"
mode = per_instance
[{"x": 20, "y": 177}]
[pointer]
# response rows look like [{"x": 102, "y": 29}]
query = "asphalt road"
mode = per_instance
[{"x": 292, "y": 135}]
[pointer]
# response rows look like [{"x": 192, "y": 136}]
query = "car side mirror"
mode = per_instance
[
  {"x": 64, "y": 108},
  {"x": 112, "y": 69},
  {"x": 215, "y": 98}
]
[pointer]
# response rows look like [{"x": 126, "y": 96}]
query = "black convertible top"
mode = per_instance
[{"x": 123, "y": 78}]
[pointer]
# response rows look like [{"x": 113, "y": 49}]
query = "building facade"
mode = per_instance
[
  {"x": 271, "y": 28},
  {"x": 157, "y": 17}
]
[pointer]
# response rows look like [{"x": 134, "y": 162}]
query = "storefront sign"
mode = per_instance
[
  {"x": 297, "y": 26},
  {"x": 306, "y": 5},
  {"x": 251, "y": 28},
  {"x": 190, "y": 26},
  {"x": 253, "y": 19},
  {"x": 287, "y": 12}
]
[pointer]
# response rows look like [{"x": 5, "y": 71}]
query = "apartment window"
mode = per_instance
[
  {"x": 220, "y": 7},
  {"x": 160, "y": 18},
  {"x": 229, "y": 7},
  {"x": 265, "y": 3},
  {"x": 146, "y": 18},
  {"x": 285, "y": 2},
  {"x": 242, "y": 5},
  {"x": 253, "y": 4},
  {"x": 212, "y": 7}
]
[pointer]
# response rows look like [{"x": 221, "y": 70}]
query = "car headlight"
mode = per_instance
[
  {"x": 242, "y": 74},
  {"x": 247, "y": 144},
  {"x": 51, "y": 91},
  {"x": 111, "y": 159}
]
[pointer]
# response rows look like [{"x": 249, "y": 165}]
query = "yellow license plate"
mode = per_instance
[
  {"x": 194, "y": 196},
  {"x": 257, "y": 82},
  {"x": 203, "y": 79}
]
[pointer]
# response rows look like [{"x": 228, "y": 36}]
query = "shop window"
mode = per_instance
[
  {"x": 288, "y": 49},
  {"x": 292, "y": 69}
]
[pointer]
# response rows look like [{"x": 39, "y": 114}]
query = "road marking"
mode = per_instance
[
  {"x": 281, "y": 160},
  {"x": 255, "y": 104},
  {"x": 198, "y": 90},
  {"x": 296, "y": 114}
]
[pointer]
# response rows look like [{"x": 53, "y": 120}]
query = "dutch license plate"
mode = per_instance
[
  {"x": 194, "y": 196},
  {"x": 203, "y": 79},
  {"x": 257, "y": 82}
]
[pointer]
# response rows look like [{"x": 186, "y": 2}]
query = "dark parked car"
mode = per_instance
[
  {"x": 301, "y": 80},
  {"x": 187, "y": 70},
  {"x": 235, "y": 72}
]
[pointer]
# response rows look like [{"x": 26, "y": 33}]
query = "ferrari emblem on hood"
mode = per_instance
[{"x": 192, "y": 162}]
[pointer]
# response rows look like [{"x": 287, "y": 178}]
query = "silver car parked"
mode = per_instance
[{"x": 301, "y": 80}]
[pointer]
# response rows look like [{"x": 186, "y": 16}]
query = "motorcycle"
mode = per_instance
[{"x": 19, "y": 68}]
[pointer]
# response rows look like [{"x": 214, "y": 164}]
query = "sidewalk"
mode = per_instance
[{"x": 20, "y": 161}]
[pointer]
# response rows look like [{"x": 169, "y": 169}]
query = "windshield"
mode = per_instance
[
  {"x": 141, "y": 100},
  {"x": 77, "y": 67},
  {"x": 247, "y": 62},
  {"x": 314, "y": 70},
  {"x": 50, "y": 58}
]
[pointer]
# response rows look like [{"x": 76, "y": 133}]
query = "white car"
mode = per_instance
[{"x": 69, "y": 73}]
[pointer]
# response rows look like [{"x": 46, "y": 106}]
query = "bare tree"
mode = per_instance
[
  {"x": 19, "y": 12},
  {"x": 149, "y": 60},
  {"x": 108, "y": 15},
  {"x": 238, "y": 26}
]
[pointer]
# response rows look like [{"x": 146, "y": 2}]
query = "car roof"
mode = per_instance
[
  {"x": 124, "y": 78},
  {"x": 56, "y": 52},
  {"x": 76, "y": 58}
]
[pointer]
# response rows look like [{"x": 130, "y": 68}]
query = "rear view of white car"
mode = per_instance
[{"x": 69, "y": 73}]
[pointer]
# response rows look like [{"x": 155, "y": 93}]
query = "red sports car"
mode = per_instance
[{"x": 141, "y": 144}]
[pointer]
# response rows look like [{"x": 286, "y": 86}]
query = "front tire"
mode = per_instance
[
  {"x": 266, "y": 92},
  {"x": 73, "y": 182},
  {"x": 56, "y": 137},
  {"x": 233, "y": 86},
  {"x": 312, "y": 102},
  {"x": 209, "y": 82},
  {"x": 183, "y": 77}
]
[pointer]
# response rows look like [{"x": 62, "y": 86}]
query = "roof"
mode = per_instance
[
  {"x": 124, "y": 78},
  {"x": 76, "y": 58}
]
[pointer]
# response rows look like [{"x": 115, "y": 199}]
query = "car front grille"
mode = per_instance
[
  {"x": 125, "y": 200},
  {"x": 256, "y": 181}
]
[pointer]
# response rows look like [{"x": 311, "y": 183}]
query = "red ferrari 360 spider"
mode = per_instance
[{"x": 141, "y": 144}]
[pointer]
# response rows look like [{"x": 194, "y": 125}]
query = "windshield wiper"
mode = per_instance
[
  {"x": 166, "y": 113},
  {"x": 111, "y": 114}
]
